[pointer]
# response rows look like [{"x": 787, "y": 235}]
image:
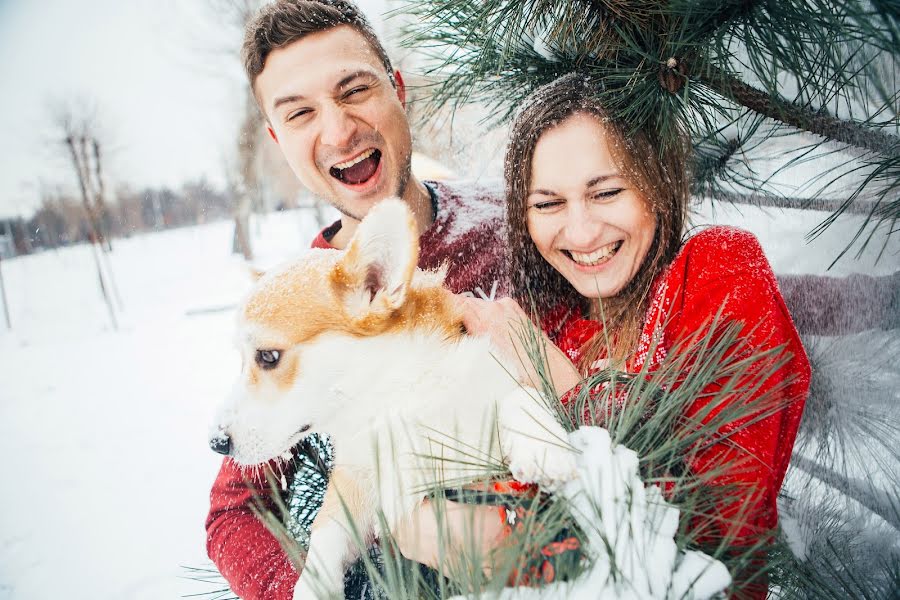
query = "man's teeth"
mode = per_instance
[
  {"x": 597, "y": 256},
  {"x": 353, "y": 161}
]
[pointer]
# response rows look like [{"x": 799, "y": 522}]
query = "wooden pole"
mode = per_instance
[{"x": 3, "y": 295}]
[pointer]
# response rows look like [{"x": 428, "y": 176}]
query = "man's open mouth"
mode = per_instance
[{"x": 359, "y": 169}]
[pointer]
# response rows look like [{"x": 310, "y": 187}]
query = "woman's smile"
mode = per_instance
[{"x": 595, "y": 258}]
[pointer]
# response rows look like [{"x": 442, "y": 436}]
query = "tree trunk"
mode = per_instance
[
  {"x": 82, "y": 174},
  {"x": 241, "y": 241},
  {"x": 99, "y": 200},
  {"x": 90, "y": 205}
]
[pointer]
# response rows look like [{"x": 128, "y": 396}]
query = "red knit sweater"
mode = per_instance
[
  {"x": 724, "y": 267},
  {"x": 468, "y": 236}
]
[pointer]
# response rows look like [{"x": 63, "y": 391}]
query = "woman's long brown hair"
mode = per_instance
[{"x": 658, "y": 172}]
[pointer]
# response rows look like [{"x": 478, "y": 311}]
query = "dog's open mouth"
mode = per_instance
[
  {"x": 357, "y": 170},
  {"x": 296, "y": 445}
]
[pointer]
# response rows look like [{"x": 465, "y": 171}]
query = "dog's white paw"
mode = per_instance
[{"x": 547, "y": 464}]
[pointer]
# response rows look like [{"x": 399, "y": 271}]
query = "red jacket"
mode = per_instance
[
  {"x": 468, "y": 235},
  {"x": 724, "y": 267}
]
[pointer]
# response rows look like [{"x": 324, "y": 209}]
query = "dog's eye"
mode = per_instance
[{"x": 268, "y": 359}]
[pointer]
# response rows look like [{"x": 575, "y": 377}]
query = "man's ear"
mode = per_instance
[
  {"x": 272, "y": 133},
  {"x": 401, "y": 87},
  {"x": 378, "y": 265}
]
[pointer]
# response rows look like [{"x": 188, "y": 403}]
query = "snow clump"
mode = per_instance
[{"x": 629, "y": 530}]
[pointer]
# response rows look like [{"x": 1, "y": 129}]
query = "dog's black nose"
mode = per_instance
[{"x": 221, "y": 443}]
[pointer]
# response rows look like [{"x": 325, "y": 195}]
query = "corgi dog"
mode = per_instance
[{"x": 361, "y": 345}]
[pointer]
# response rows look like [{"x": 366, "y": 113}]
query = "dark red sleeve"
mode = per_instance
[{"x": 249, "y": 557}]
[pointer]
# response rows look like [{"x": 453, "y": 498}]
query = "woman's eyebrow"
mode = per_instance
[{"x": 601, "y": 179}]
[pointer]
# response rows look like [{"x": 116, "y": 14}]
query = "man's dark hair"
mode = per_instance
[{"x": 285, "y": 21}]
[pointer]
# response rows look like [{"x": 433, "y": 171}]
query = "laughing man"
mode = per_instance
[{"x": 336, "y": 108}]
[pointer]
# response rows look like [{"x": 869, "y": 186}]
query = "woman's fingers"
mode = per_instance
[
  {"x": 488, "y": 316},
  {"x": 477, "y": 314}
]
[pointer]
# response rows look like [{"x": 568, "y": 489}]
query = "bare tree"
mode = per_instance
[{"x": 78, "y": 127}]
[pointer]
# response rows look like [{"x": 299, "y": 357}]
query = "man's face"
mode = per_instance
[{"x": 338, "y": 120}]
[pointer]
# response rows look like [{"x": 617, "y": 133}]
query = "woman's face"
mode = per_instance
[{"x": 585, "y": 218}]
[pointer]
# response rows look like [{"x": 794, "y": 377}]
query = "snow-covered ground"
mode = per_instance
[{"x": 106, "y": 470}]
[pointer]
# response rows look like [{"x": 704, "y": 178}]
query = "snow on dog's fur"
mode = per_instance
[{"x": 364, "y": 347}]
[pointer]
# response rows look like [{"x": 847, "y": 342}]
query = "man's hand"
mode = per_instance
[
  {"x": 439, "y": 540},
  {"x": 508, "y": 327}
]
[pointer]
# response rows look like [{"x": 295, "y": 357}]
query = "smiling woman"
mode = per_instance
[
  {"x": 596, "y": 216},
  {"x": 593, "y": 212}
]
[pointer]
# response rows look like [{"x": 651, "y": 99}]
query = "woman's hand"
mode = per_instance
[
  {"x": 466, "y": 527},
  {"x": 512, "y": 334}
]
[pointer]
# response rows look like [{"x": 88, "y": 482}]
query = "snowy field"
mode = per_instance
[{"x": 107, "y": 472}]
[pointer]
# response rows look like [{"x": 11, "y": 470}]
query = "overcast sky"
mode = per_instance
[{"x": 163, "y": 76}]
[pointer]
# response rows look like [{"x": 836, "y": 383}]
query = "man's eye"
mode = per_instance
[
  {"x": 268, "y": 359},
  {"x": 297, "y": 113},
  {"x": 354, "y": 91}
]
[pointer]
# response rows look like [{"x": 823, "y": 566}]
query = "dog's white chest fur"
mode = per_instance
[
  {"x": 407, "y": 412},
  {"x": 412, "y": 394}
]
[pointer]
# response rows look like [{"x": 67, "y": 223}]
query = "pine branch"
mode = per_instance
[
  {"x": 773, "y": 201},
  {"x": 878, "y": 501},
  {"x": 820, "y": 122}
]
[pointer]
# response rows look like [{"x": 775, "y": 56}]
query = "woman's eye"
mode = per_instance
[
  {"x": 606, "y": 194},
  {"x": 268, "y": 359},
  {"x": 546, "y": 206}
]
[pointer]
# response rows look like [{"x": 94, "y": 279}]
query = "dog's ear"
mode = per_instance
[{"x": 378, "y": 266}]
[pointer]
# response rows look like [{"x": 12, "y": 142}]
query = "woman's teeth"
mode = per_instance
[
  {"x": 353, "y": 161},
  {"x": 597, "y": 256}
]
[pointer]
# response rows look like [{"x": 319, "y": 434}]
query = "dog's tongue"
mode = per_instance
[{"x": 361, "y": 171}]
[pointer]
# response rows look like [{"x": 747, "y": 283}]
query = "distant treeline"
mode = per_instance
[{"x": 62, "y": 220}]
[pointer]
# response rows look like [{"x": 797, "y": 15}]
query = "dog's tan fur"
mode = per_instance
[{"x": 302, "y": 303}]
